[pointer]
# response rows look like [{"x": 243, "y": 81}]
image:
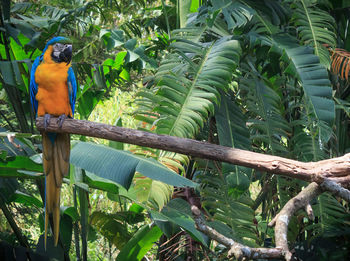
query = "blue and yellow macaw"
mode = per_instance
[{"x": 53, "y": 91}]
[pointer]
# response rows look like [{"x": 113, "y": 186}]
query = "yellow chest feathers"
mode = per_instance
[
  {"x": 52, "y": 95},
  {"x": 49, "y": 74}
]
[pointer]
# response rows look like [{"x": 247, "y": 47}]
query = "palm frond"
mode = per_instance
[
  {"x": 312, "y": 128},
  {"x": 303, "y": 65},
  {"x": 154, "y": 193},
  {"x": 231, "y": 124},
  {"x": 309, "y": 142},
  {"x": 235, "y": 213},
  {"x": 263, "y": 26},
  {"x": 266, "y": 121},
  {"x": 188, "y": 81},
  {"x": 233, "y": 132},
  {"x": 269, "y": 14},
  {"x": 315, "y": 27},
  {"x": 340, "y": 62},
  {"x": 333, "y": 218},
  {"x": 191, "y": 33},
  {"x": 236, "y": 13}
]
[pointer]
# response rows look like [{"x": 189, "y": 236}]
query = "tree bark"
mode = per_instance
[
  {"x": 281, "y": 220},
  {"x": 239, "y": 251},
  {"x": 336, "y": 169}
]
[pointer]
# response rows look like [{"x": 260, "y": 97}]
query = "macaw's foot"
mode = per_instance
[
  {"x": 47, "y": 118},
  {"x": 61, "y": 119}
]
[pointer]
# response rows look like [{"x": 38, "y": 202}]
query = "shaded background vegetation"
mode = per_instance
[{"x": 267, "y": 76}]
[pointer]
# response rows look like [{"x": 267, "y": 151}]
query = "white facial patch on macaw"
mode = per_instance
[{"x": 57, "y": 49}]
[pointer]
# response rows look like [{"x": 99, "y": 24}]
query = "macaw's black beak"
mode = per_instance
[{"x": 66, "y": 55}]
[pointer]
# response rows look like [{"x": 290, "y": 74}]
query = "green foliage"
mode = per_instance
[
  {"x": 84, "y": 155},
  {"x": 140, "y": 243},
  {"x": 111, "y": 228},
  {"x": 313, "y": 77},
  {"x": 236, "y": 14},
  {"x": 333, "y": 215},
  {"x": 187, "y": 90},
  {"x": 232, "y": 132},
  {"x": 244, "y": 74},
  {"x": 178, "y": 212},
  {"x": 315, "y": 27},
  {"x": 25, "y": 199},
  {"x": 264, "y": 104},
  {"x": 224, "y": 200},
  {"x": 153, "y": 192}
]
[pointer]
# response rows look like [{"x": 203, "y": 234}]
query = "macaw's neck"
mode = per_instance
[{"x": 47, "y": 55}]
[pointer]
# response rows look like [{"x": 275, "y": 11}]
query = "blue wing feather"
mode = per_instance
[
  {"x": 72, "y": 88},
  {"x": 33, "y": 86}
]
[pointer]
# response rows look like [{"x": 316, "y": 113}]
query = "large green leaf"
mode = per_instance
[
  {"x": 184, "y": 8},
  {"x": 313, "y": 77},
  {"x": 140, "y": 243},
  {"x": 22, "y": 162},
  {"x": 25, "y": 199},
  {"x": 68, "y": 215},
  {"x": 97, "y": 182},
  {"x": 83, "y": 207},
  {"x": 120, "y": 166},
  {"x": 232, "y": 132},
  {"x": 178, "y": 212},
  {"x": 310, "y": 145},
  {"x": 231, "y": 124},
  {"x": 8, "y": 188},
  {"x": 236, "y": 13},
  {"x": 21, "y": 167},
  {"x": 315, "y": 27},
  {"x": 66, "y": 228},
  {"x": 70, "y": 211},
  {"x": 52, "y": 251},
  {"x": 11, "y": 74},
  {"x": 153, "y": 191},
  {"x": 188, "y": 83},
  {"x": 113, "y": 229},
  {"x": 333, "y": 217},
  {"x": 233, "y": 211}
]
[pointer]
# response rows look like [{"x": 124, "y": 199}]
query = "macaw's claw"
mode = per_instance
[
  {"x": 61, "y": 119},
  {"x": 47, "y": 118}
]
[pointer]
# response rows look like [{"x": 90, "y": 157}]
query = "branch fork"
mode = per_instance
[{"x": 331, "y": 175}]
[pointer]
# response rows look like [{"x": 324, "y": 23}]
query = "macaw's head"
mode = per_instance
[{"x": 61, "y": 50}]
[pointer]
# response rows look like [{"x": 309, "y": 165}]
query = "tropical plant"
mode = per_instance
[
  {"x": 279, "y": 87},
  {"x": 244, "y": 74}
]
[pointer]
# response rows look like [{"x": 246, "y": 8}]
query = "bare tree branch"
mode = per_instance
[
  {"x": 281, "y": 220},
  {"x": 313, "y": 171},
  {"x": 239, "y": 251},
  {"x": 302, "y": 200},
  {"x": 309, "y": 212},
  {"x": 336, "y": 189}
]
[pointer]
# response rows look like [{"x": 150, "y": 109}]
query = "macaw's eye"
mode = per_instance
[{"x": 59, "y": 46}]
